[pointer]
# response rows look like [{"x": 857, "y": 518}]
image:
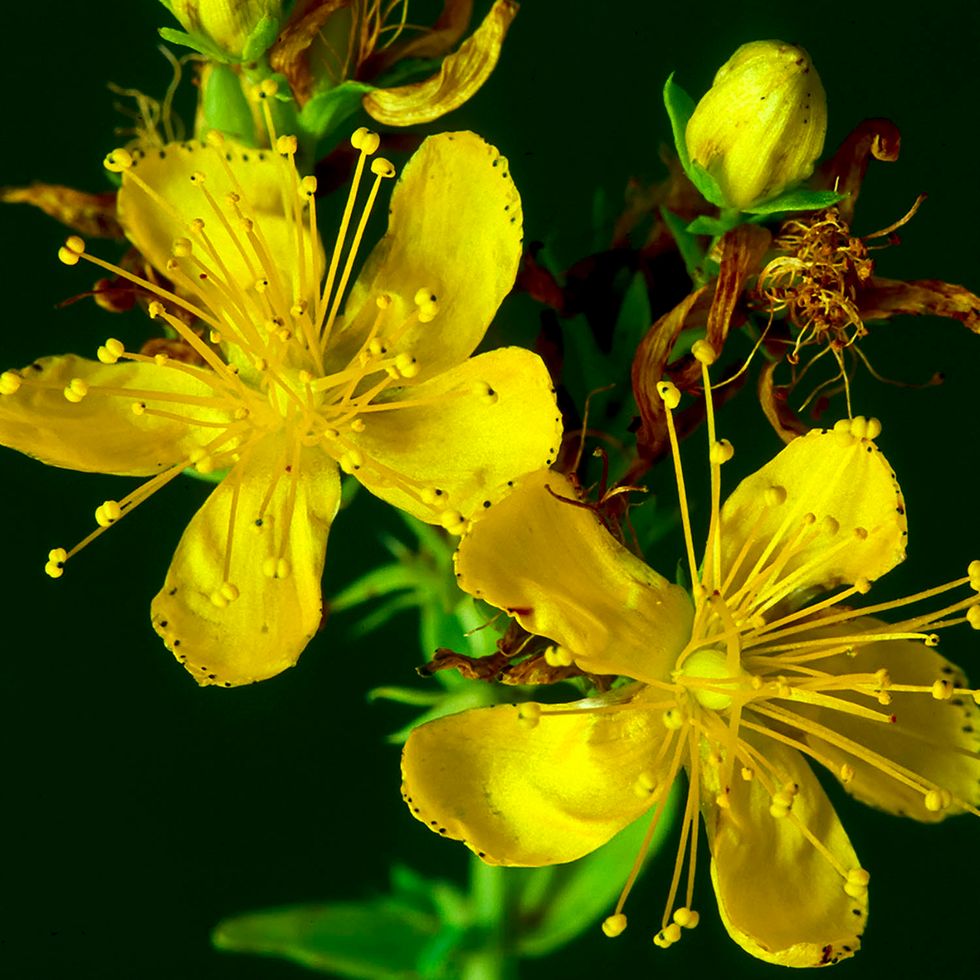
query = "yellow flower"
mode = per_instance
[
  {"x": 739, "y": 684},
  {"x": 286, "y": 391},
  {"x": 761, "y": 126}
]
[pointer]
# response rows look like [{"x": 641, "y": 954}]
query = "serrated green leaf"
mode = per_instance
[
  {"x": 381, "y": 940},
  {"x": 800, "y": 199},
  {"x": 558, "y": 903}
]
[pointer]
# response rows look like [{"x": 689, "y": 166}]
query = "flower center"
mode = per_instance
[{"x": 707, "y": 677}]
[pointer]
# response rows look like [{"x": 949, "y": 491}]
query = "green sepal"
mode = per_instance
[
  {"x": 261, "y": 39},
  {"x": 215, "y": 476},
  {"x": 555, "y": 904},
  {"x": 800, "y": 199},
  {"x": 704, "y": 224},
  {"x": 680, "y": 108},
  {"x": 195, "y": 43},
  {"x": 225, "y": 106},
  {"x": 325, "y": 112}
]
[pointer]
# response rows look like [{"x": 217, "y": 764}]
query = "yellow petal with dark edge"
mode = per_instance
[
  {"x": 265, "y": 629},
  {"x": 266, "y": 185},
  {"x": 100, "y": 433},
  {"x": 518, "y": 795},
  {"x": 936, "y": 740},
  {"x": 460, "y": 442},
  {"x": 458, "y": 79},
  {"x": 779, "y": 897},
  {"x": 842, "y": 519},
  {"x": 454, "y": 230},
  {"x": 544, "y": 556}
]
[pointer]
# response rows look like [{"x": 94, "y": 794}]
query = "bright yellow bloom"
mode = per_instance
[
  {"x": 739, "y": 684},
  {"x": 761, "y": 126},
  {"x": 283, "y": 389}
]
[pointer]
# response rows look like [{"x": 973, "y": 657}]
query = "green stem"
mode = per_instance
[{"x": 488, "y": 895}]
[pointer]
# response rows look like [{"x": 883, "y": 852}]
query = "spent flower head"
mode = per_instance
[
  {"x": 291, "y": 375},
  {"x": 764, "y": 666}
]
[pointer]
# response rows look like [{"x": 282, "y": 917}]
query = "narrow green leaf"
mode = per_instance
[
  {"x": 687, "y": 243},
  {"x": 195, "y": 43},
  {"x": 800, "y": 199},
  {"x": 325, "y": 112},
  {"x": 680, "y": 108},
  {"x": 380, "y": 940}
]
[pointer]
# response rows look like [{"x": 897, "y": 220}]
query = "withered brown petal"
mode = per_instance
[{"x": 92, "y": 215}]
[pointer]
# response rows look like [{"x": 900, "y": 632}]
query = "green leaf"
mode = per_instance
[
  {"x": 800, "y": 199},
  {"x": 687, "y": 243},
  {"x": 558, "y": 903},
  {"x": 705, "y": 225},
  {"x": 680, "y": 108},
  {"x": 386, "y": 939},
  {"x": 324, "y": 113},
  {"x": 633, "y": 321},
  {"x": 192, "y": 41}
]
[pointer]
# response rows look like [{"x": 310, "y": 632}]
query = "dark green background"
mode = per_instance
[{"x": 139, "y": 809}]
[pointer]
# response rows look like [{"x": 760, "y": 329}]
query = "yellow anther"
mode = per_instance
[
  {"x": 214, "y": 336},
  {"x": 846, "y": 772},
  {"x": 276, "y": 568},
  {"x": 669, "y": 394},
  {"x": 357, "y": 425},
  {"x": 10, "y": 382},
  {"x": 199, "y": 177},
  {"x": 229, "y": 591},
  {"x": 973, "y": 617},
  {"x": 205, "y": 465},
  {"x": 748, "y": 773},
  {"x": 842, "y": 432},
  {"x": 73, "y": 248},
  {"x": 704, "y": 352},
  {"x": 181, "y": 248},
  {"x": 614, "y": 925},
  {"x": 723, "y": 800},
  {"x": 245, "y": 225},
  {"x": 862, "y": 585},
  {"x": 431, "y": 496},
  {"x": 775, "y": 496},
  {"x": 286, "y": 145},
  {"x": 427, "y": 312},
  {"x": 973, "y": 569},
  {"x": 932, "y": 640},
  {"x": 882, "y": 678},
  {"x": 942, "y": 689},
  {"x": 406, "y": 365},
  {"x": 687, "y": 918},
  {"x": 856, "y": 883},
  {"x": 381, "y": 167},
  {"x": 452, "y": 521},
  {"x": 859, "y": 427},
  {"x": 108, "y": 513},
  {"x": 673, "y": 719},
  {"x": 307, "y": 187},
  {"x": 874, "y": 428},
  {"x": 937, "y": 799},
  {"x": 217, "y": 599},
  {"x": 111, "y": 351},
  {"x": 155, "y": 309},
  {"x": 197, "y": 226},
  {"x": 646, "y": 785},
  {"x": 529, "y": 714},
  {"x": 118, "y": 160},
  {"x": 722, "y": 451},
  {"x": 268, "y": 87},
  {"x": 138, "y": 408},
  {"x": 829, "y": 525},
  {"x": 350, "y": 461},
  {"x": 55, "y": 566},
  {"x": 298, "y": 308},
  {"x": 76, "y": 390},
  {"x": 558, "y": 656},
  {"x": 668, "y": 936},
  {"x": 364, "y": 140}
]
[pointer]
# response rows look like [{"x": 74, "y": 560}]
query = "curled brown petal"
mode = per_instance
[{"x": 880, "y": 299}]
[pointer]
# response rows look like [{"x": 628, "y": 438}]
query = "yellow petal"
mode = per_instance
[
  {"x": 522, "y": 795},
  {"x": 265, "y": 183},
  {"x": 779, "y": 897},
  {"x": 937, "y": 740},
  {"x": 479, "y": 426},
  {"x": 842, "y": 517},
  {"x": 458, "y": 79},
  {"x": 455, "y": 231},
  {"x": 236, "y": 625},
  {"x": 552, "y": 565},
  {"x": 100, "y": 433}
]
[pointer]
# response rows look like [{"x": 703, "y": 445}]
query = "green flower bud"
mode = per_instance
[
  {"x": 760, "y": 128},
  {"x": 232, "y": 29}
]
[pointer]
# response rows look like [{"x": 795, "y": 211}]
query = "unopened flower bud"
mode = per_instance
[
  {"x": 234, "y": 28},
  {"x": 760, "y": 128}
]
